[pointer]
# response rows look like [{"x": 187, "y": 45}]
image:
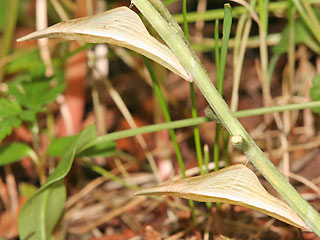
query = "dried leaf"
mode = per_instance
[
  {"x": 120, "y": 26},
  {"x": 236, "y": 185}
]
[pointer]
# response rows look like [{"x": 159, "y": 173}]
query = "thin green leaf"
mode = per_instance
[
  {"x": 58, "y": 145},
  {"x": 14, "y": 152},
  {"x": 120, "y": 26},
  {"x": 227, "y": 22},
  {"x": 45, "y": 207},
  {"x": 99, "y": 150},
  {"x": 236, "y": 185}
]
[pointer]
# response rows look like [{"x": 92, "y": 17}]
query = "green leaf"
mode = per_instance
[
  {"x": 30, "y": 62},
  {"x": 302, "y": 35},
  {"x": 86, "y": 136},
  {"x": 7, "y": 125},
  {"x": 34, "y": 95},
  {"x": 106, "y": 149},
  {"x": 26, "y": 189},
  {"x": 57, "y": 146},
  {"x": 9, "y": 109},
  {"x": 14, "y": 152},
  {"x": 315, "y": 91},
  {"x": 41, "y": 212},
  {"x": 28, "y": 115},
  {"x": 11, "y": 116},
  {"x": 8, "y": 117}
]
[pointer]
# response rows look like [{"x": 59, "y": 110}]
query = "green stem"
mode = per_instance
[
  {"x": 216, "y": 149},
  {"x": 225, "y": 142},
  {"x": 160, "y": 7},
  {"x": 194, "y": 113},
  {"x": 216, "y": 48},
  {"x": 196, "y": 131},
  {"x": 200, "y": 76},
  {"x": 263, "y": 10},
  {"x": 210, "y": 15},
  {"x": 168, "y": 2},
  {"x": 273, "y": 61},
  {"x": 185, "y": 21},
  {"x": 196, "y": 121},
  {"x": 291, "y": 48},
  {"x": 207, "y": 44},
  {"x": 221, "y": 65},
  {"x": 206, "y": 158},
  {"x": 110, "y": 175},
  {"x": 227, "y": 22},
  {"x": 166, "y": 114},
  {"x": 34, "y": 128}
]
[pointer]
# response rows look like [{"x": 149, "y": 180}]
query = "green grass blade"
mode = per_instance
[
  {"x": 194, "y": 113},
  {"x": 166, "y": 115}
]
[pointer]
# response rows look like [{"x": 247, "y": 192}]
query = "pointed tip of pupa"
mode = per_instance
[
  {"x": 142, "y": 192},
  {"x": 24, "y": 38},
  {"x": 47, "y": 32},
  {"x": 30, "y": 36}
]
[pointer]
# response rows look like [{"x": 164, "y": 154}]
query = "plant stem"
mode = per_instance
[
  {"x": 221, "y": 65},
  {"x": 185, "y": 21},
  {"x": 263, "y": 76},
  {"x": 210, "y": 15},
  {"x": 216, "y": 150},
  {"x": 168, "y": 2},
  {"x": 207, "y": 44},
  {"x": 166, "y": 114},
  {"x": 110, "y": 175},
  {"x": 192, "y": 64},
  {"x": 263, "y": 10},
  {"x": 227, "y": 21},
  {"x": 196, "y": 121},
  {"x": 196, "y": 132},
  {"x": 34, "y": 128},
  {"x": 206, "y": 158}
]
